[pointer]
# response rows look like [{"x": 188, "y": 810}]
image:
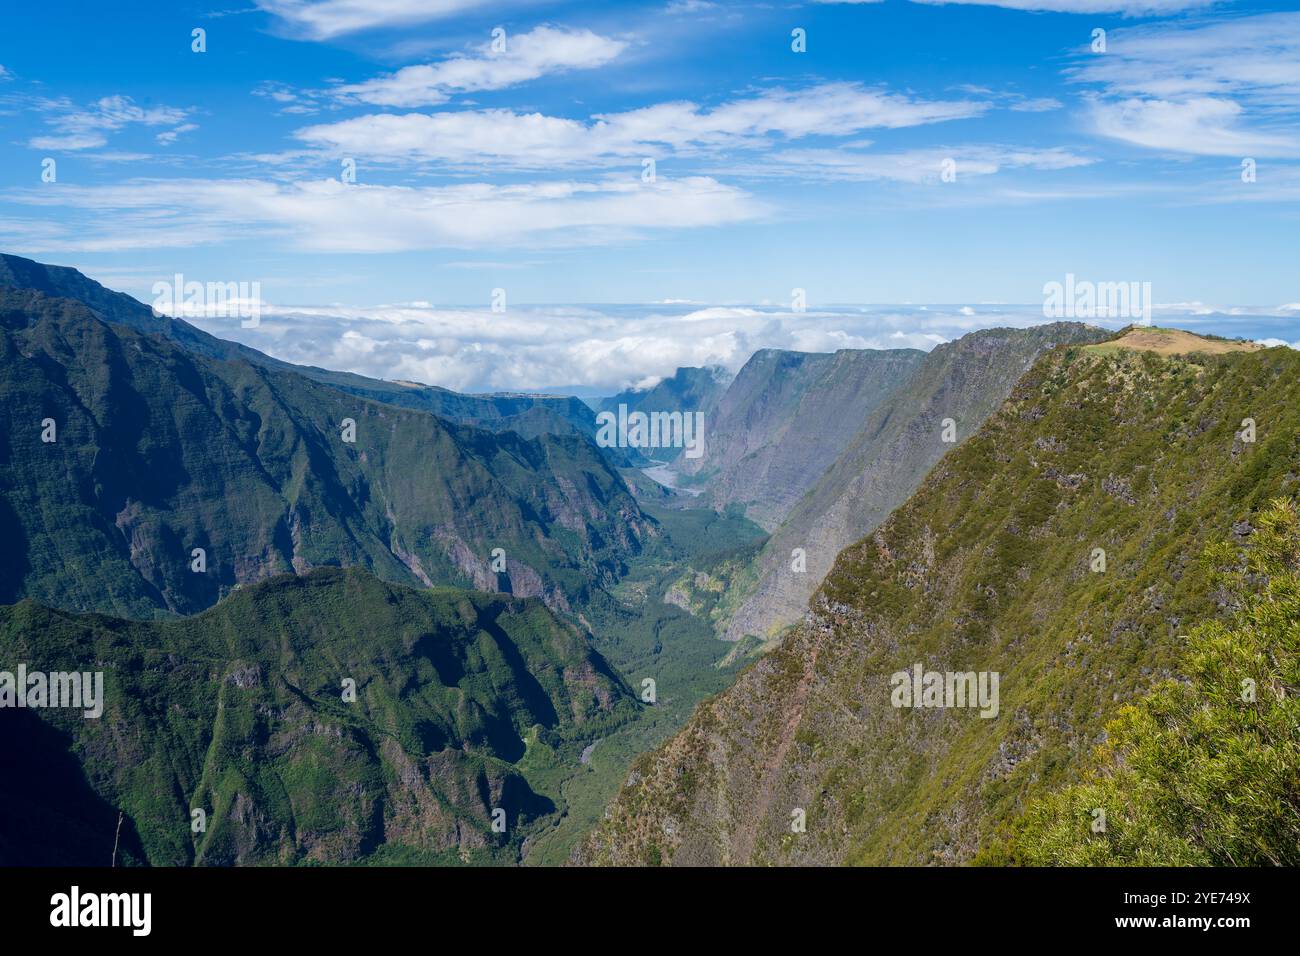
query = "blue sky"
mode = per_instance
[{"x": 520, "y": 166}]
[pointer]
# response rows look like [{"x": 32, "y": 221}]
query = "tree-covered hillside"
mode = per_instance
[
  {"x": 241, "y": 712},
  {"x": 123, "y": 452}
]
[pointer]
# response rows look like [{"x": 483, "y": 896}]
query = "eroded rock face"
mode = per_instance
[{"x": 785, "y": 418}]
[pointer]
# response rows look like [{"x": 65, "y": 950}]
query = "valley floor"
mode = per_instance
[{"x": 645, "y": 637}]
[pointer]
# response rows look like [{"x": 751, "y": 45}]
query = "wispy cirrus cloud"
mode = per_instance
[
  {"x": 1204, "y": 126},
  {"x": 1038, "y": 104},
  {"x": 911, "y": 166},
  {"x": 327, "y": 19},
  {"x": 1219, "y": 88},
  {"x": 329, "y": 216},
  {"x": 536, "y": 140},
  {"x": 527, "y": 56},
  {"x": 1130, "y": 8},
  {"x": 75, "y": 127}
]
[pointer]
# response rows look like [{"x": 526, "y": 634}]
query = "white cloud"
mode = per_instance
[
  {"x": 326, "y": 19},
  {"x": 1217, "y": 88},
  {"x": 535, "y": 140},
  {"x": 527, "y": 56},
  {"x": 1131, "y": 8},
  {"x": 728, "y": 313},
  {"x": 475, "y": 349},
  {"x": 328, "y": 216},
  {"x": 533, "y": 347},
  {"x": 1255, "y": 56},
  {"x": 76, "y": 128},
  {"x": 1204, "y": 126},
  {"x": 167, "y": 137},
  {"x": 1041, "y": 104},
  {"x": 909, "y": 166},
  {"x": 68, "y": 142}
]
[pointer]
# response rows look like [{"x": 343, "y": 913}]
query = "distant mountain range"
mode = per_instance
[
  {"x": 687, "y": 390},
  {"x": 785, "y": 419}
]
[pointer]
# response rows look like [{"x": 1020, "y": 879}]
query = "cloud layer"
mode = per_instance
[{"x": 607, "y": 348}]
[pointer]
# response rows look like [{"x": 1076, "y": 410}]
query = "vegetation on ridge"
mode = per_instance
[
  {"x": 1203, "y": 771},
  {"x": 988, "y": 567}
]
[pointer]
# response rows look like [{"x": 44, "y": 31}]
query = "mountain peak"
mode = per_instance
[{"x": 1172, "y": 342}]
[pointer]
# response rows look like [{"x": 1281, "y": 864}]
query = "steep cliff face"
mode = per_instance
[
  {"x": 962, "y": 381},
  {"x": 158, "y": 450},
  {"x": 242, "y": 712},
  {"x": 993, "y": 566},
  {"x": 687, "y": 390},
  {"x": 785, "y": 419}
]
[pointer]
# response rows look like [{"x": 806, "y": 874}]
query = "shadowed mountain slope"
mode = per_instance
[
  {"x": 785, "y": 418},
  {"x": 240, "y": 712}
]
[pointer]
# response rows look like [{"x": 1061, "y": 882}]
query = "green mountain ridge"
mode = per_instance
[
  {"x": 161, "y": 450},
  {"x": 531, "y": 415},
  {"x": 989, "y": 567}
]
